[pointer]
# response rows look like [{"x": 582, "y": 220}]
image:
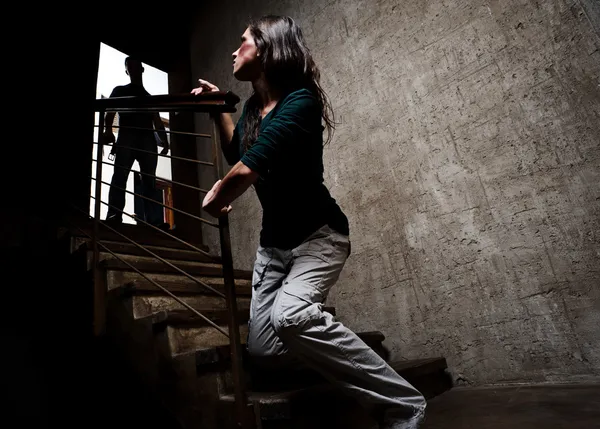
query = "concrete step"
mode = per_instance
[
  {"x": 126, "y": 248},
  {"x": 429, "y": 375},
  {"x": 148, "y": 301},
  {"x": 139, "y": 233},
  {"x": 184, "y": 332},
  {"x": 184, "y": 340},
  {"x": 144, "y": 306},
  {"x": 178, "y": 284},
  {"x": 186, "y": 318},
  {"x": 151, "y": 265}
]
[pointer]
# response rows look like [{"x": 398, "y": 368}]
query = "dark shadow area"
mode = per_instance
[{"x": 54, "y": 372}]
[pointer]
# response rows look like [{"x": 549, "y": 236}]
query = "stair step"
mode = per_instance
[
  {"x": 186, "y": 332},
  {"x": 140, "y": 233},
  {"x": 188, "y": 287},
  {"x": 280, "y": 405},
  {"x": 184, "y": 342},
  {"x": 151, "y": 265},
  {"x": 185, "y": 318},
  {"x": 178, "y": 284},
  {"x": 430, "y": 376},
  {"x": 419, "y": 367},
  {"x": 126, "y": 248},
  {"x": 371, "y": 337},
  {"x": 146, "y": 305}
]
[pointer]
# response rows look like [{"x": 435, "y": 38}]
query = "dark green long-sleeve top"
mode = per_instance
[{"x": 288, "y": 156}]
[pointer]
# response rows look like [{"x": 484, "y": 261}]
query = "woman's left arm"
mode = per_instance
[{"x": 224, "y": 192}]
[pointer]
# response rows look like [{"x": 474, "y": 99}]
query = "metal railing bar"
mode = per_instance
[
  {"x": 216, "y": 225},
  {"x": 183, "y": 133},
  {"x": 191, "y": 246},
  {"x": 210, "y": 164},
  {"x": 156, "y": 256},
  {"x": 165, "y": 290},
  {"x": 157, "y": 177}
]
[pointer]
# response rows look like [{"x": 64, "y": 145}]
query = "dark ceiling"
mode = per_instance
[{"x": 157, "y": 36}]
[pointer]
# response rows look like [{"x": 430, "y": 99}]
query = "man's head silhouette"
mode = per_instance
[{"x": 134, "y": 69}]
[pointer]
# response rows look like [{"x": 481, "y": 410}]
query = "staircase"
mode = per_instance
[{"x": 185, "y": 362}]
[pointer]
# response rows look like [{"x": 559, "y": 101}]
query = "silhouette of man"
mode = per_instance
[{"x": 136, "y": 132}]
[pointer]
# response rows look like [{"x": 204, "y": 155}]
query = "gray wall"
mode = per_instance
[{"x": 467, "y": 160}]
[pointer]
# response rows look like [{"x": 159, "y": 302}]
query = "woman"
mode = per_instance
[{"x": 277, "y": 146}]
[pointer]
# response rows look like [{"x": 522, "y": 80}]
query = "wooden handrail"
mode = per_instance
[{"x": 209, "y": 102}]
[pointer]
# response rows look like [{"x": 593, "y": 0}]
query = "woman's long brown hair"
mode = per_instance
[{"x": 288, "y": 66}]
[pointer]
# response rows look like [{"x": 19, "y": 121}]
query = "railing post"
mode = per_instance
[
  {"x": 245, "y": 418},
  {"x": 99, "y": 315}
]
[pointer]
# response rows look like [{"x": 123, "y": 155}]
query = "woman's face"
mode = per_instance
[{"x": 246, "y": 61}]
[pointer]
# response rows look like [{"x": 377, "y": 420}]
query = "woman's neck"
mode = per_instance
[{"x": 268, "y": 96}]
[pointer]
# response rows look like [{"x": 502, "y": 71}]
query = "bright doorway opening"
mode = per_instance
[{"x": 111, "y": 73}]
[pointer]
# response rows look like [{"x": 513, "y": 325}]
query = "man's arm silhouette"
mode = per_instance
[{"x": 109, "y": 136}]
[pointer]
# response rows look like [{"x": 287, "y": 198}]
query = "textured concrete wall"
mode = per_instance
[{"x": 467, "y": 159}]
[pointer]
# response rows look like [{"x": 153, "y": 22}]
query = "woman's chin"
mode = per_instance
[{"x": 243, "y": 76}]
